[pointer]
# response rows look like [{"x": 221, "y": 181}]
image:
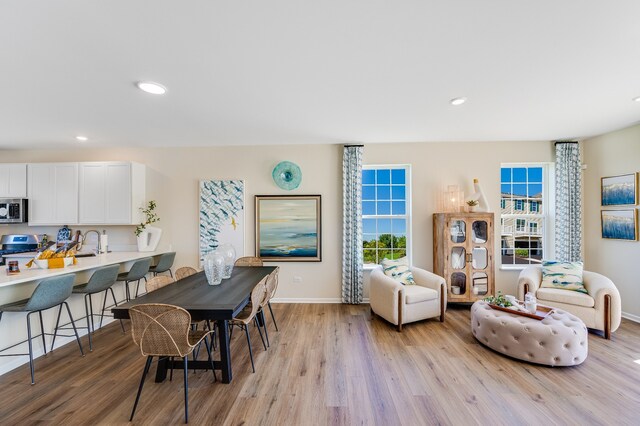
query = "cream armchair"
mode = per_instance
[
  {"x": 599, "y": 309},
  {"x": 400, "y": 304}
]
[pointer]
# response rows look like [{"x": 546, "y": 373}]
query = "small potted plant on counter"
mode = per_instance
[
  {"x": 148, "y": 236},
  {"x": 472, "y": 205}
]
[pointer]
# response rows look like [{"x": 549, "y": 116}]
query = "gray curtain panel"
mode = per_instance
[
  {"x": 352, "y": 225},
  {"x": 568, "y": 202}
]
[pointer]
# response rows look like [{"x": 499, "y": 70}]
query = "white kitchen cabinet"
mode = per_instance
[
  {"x": 13, "y": 180},
  {"x": 53, "y": 193},
  {"x": 111, "y": 193}
]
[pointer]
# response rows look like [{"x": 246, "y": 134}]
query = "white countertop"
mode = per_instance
[{"x": 84, "y": 263}]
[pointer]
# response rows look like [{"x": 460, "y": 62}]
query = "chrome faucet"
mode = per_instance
[{"x": 97, "y": 236}]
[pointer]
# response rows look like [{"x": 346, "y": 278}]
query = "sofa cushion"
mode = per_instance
[
  {"x": 417, "y": 294},
  {"x": 562, "y": 275},
  {"x": 551, "y": 295},
  {"x": 398, "y": 269}
]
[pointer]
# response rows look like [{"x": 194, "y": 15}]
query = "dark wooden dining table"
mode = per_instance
[{"x": 219, "y": 303}]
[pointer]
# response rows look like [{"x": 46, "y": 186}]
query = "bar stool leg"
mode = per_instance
[
  {"x": 104, "y": 306},
  {"x": 73, "y": 324},
  {"x": 93, "y": 326},
  {"x": 33, "y": 382},
  {"x": 115, "y": 302},
  {"x": 44, "y": 342},
  {"x": 55, "y": 331},
  {"x": 137, "y": 288},
  {"x": 86, "y": 310},
  {"x": 126, "y": 288}
]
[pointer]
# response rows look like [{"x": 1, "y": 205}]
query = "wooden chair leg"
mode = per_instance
[
  {"x": 607, "y": 316},
  {"x": 443, "y": 289},
  {"x": 400, "y": 294}
]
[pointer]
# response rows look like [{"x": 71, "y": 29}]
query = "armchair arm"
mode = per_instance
[
  {"x": 383, "y": 295},
  {"x": 531, "y": 276},
  {"x": 428, "y": 279},
  {"x": 598, "y": 286}
]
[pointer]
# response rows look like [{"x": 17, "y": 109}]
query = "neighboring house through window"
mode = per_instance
[
  {"x": 525, "y": 212},
  {"x": 386, "y": 207}
]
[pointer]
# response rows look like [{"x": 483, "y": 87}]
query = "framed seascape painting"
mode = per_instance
[
  {"x": 619, "y": 224},
  {"x": 288, "y": 228},
  {"x": 619, "y": 190}
]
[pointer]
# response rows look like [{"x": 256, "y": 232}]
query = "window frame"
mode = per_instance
[
  {"x": 408, "y": 208},
  {"x": 547, "y": 215}
]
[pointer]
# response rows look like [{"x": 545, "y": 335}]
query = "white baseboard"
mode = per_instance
[
  {"x": 631, "y": 317},
  {"x": 310, "y": 300}
]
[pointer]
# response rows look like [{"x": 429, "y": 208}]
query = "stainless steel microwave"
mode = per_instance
[{"x": 13, "y": 210}]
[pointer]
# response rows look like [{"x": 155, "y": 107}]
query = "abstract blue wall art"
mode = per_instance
[
  {"x": 288, "y": 228},
  {"x": 221, "y": 215},
  {"x": 619, "y": 224},
  {"x": 619, "y": 190}
]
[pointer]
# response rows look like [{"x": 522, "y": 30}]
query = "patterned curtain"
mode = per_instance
[
  {"x": 352, "y": 224},
  {"x": 568, "y": 202}
]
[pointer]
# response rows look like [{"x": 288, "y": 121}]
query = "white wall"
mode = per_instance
[
  {"x": 611, "y": 154},
  {"x": 174, "y": 173}
]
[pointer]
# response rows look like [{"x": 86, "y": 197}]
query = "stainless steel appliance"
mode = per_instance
[
  {"x": 13, "y": 210},
  {"x": 17, "y": 243}
]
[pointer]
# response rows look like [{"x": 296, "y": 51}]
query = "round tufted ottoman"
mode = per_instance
[{"x": 558, "y": 340}]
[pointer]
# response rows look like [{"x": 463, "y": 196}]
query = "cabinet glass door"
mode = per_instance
[
  {"x": 479, "y": 233},
  {"x": 458, "y": 283},
  {"x": 479, "y": 258},
  {"x": 458, "y": 231},
  {"x": 458, "y": 257},
  {"x": 480, "y": 283}
]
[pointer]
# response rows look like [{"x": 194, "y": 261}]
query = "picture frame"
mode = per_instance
[
  {"x": 289, "y": 228},
  {"x": 621, "y": 190},
  {"x": 619, "y": 224}
]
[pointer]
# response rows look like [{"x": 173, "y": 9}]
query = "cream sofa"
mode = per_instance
[
  {"x": 400, "y": 304},
  {"x": 599, "y": 309}
]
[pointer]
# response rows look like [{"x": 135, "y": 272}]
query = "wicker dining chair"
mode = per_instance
[
  {"x": 245, "y": 317},
  {"x": 248, "y": 261},
  {"x": 185, "y": 272},
  {"x": 161, "y": 330},
  {"x": 158, "y": 282},
  {"x": 270, "y": 290}
]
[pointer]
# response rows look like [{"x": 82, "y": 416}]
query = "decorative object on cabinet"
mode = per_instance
[
  {"x": 619, "y": 190},
  {"x": 463, "y": 254},
  {"x": 288, "y": 228},
  {"x": 619, "y": 224},
  {"x": 451, "y": 199},
  {"x": 221, "y": 215},
  {"x": 287, "y": 175},
  {"x": 473, "y": 205},
  {"x": 478, "y": 195}
]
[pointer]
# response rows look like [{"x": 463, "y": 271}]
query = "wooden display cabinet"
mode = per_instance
[{"x": 463, "y": 254}]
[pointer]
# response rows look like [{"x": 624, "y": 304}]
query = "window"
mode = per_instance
[
  {"x": 385, "y": 212},
  {"x": 525, "y": 208}
]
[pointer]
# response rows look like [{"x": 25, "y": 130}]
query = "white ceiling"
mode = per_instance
[{"x": 300, "y": 71}]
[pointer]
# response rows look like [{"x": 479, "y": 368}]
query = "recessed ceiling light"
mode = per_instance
[
  {"x": 458, "y": 101},
  {"x": 636, "y": 99},
  {"x": 82, "y": 138},
  {"x": 151, "y": 87}
]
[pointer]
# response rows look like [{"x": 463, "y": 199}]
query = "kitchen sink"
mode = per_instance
[{"x": 85, "y": 254}]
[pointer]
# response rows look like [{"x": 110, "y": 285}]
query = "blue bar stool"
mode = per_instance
[
  {"x": 138, "y": 271},
  {"x": 165, "y": 262},
  {"x": 102, "y": 280},
  {"x": 49, "y": 293}
]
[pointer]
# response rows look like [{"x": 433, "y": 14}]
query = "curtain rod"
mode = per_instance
[{"x": 556, "y": 143}]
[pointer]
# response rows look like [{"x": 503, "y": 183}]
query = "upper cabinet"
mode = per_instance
[
  {"x": 13, "y": 180},
  {"x": 111, "y": 193},
  {"x": 53, "y": 193}
]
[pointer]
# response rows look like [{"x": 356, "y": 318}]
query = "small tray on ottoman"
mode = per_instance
[{"x": 541, "y": 311}]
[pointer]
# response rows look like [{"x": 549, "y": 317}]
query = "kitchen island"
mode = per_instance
[{"x": 21, "y": 286}]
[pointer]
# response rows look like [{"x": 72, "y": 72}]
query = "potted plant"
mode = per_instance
[
  {"x": 148, "y": 236},
  {"x": 472, "y": 205}
]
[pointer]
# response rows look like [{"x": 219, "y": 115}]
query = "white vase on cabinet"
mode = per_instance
[{"x": 149, "y": 238}]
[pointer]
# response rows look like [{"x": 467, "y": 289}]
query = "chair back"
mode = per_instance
[
  {"x": 248, "y": 261},
  {"x": 158, "y": 282},
  {"x": 51, "y": 292},
  {"x": 160, "y": 330},
  {"x": 185, "y": 272},
  {"x": 270, "y": 286},
  {"x": 102, "y": 279},
  {"x": 165, "y": 262},
  {"x": 257, "y": 296},
  {"x": 139, "y": 269}
]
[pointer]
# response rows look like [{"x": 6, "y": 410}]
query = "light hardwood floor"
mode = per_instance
[{"x": 334, "y": 364}]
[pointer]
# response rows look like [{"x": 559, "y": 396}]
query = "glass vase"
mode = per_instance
[
  {"x": 229, "y": 254},
  {"x": 214, "y": 267}
]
